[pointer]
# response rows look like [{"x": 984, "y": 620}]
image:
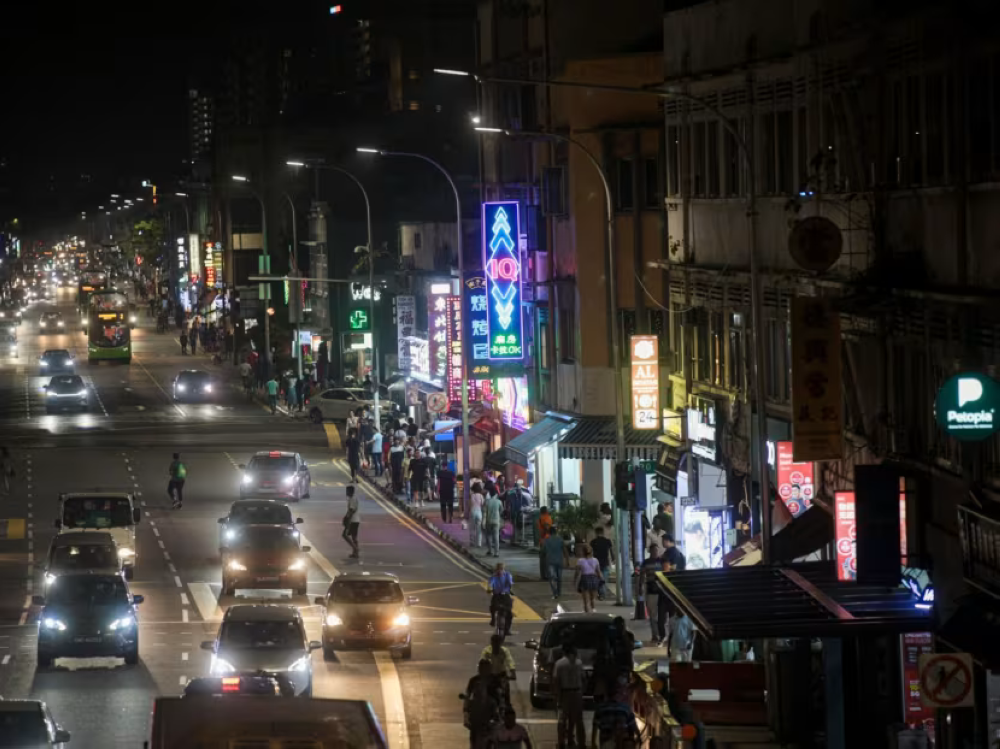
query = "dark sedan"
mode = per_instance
[
  {"x": 193, "y": 385},
  {"x": 66, "y": 392},
  {"x": 56, "y": 360}
]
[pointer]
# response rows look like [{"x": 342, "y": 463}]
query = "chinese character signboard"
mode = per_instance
[
  {"x": 502, "y": 262},
  {"x": 477, "y": 327},
  {"x": 846, "y": 535},
  {"x": 437, "y": 329},
  {"x": 406, "y": 326},
  {"x": 817, "y": 407},
  {"x": 453, "y": 345},
  {"x": 795, "y": 480},
  {"x": 915, "y": 713},
  {"x": 645, "y": 381},
  {"x": 966, "y": 406}
]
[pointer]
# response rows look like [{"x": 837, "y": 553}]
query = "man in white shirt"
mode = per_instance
[
  {"x": 568, "y": 677},
  {"x": 352, "y": 521}
]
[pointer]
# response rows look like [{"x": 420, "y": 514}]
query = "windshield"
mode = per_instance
[
  {"x": 272, "y": 464},
  {"x": 261, "y": 514},
  {"x": 193, "y": 377},
  {"x": 246, "y": 635},
  {"x": 23, "y": 728},
  {"x": 56, "y": 354},
  {"x": 367, "y": 591},
  {"x": 267, "y": 539},
  {"x": 97, "y": 591},
  {"x": 70, "y": 384},
  {"x": 584, "y": 635},
  {"x": 97, "y": 512},
  {"x": 84, "y": 557}
]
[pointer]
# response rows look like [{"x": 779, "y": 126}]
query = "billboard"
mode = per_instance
[
  {"x": 502, "y": 263},
  {"x": 477, "y": 331},
  {"x": 645, "y": 381},
  {"x": 817, "y": 396},
  {"x": 846, "y": 535},
  {"x": 453, "y": 345},
  {"x": 512, "y": 393},
  {"x": 437, "y": 329},
  {"x": 795, "y": 481},
  {"x": 406, "y": 324}
]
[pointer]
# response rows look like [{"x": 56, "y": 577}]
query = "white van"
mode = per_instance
[{"x": 103, "y": 512}]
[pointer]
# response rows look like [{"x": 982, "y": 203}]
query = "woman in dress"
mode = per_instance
[
  {"x": 587, "y": 578},
  {"x": 476, "y": 501}
]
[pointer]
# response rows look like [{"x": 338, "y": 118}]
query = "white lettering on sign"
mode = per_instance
[{"x": 970, "y": 419}]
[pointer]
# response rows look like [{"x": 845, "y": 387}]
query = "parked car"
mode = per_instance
[
  {"x": 29, "y": 723},
  {"x": 336, "y": 404}
]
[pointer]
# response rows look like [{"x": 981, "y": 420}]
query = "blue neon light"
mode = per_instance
[{"x": 502, "y": 264}]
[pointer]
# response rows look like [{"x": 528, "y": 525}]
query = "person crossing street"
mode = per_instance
[{"x": 175, "y": 487}]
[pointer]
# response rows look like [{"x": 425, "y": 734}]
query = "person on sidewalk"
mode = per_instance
[
  {"x": 492, "y": 519},
  {"x": 446, "y": 493},
  {"x": 175, "y": 486},
  {"x": 510, "y": 734},
  {"x": 272, "y": 393},
  {"x": 352, "y": 522},
  {"x": 291, "y": 392},
  {"x": 476, "y": 500},
  {"x": 603, "y": 550},
  {"x": 543, "y": 525},
  {"x": 672, "y": 554},
  {"x": 587, "y": 578},
  {"x": 397, "y": 454},
  {"x": 246, "y": 374},
  {"x": 647, "y": 582},
  {"x": 302, "y": 391},
  {"x": 184, "y": 342},
  {"x": 375, "y": 448},
  {"x": 418, "y": 479},
  {"x": 353, "y": 446},
  {"x": 193, "y": 338},
  {"x": 554, "y": 549},
  {"x": 568, "y": 678}
]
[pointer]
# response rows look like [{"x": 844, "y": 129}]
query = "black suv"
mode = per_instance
[
  {"x": 86, "y": 615},
  {"x": 253, "y": 512},
  {"x": 56, "y": 360},
  {"x": 265, "y": 556},
  {"x": 66, "y": 391}
]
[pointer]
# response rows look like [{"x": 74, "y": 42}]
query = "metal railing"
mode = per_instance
[{"x": 980, "y": 537}]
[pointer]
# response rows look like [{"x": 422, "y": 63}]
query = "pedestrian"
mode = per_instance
[
  {"x": 246, "y": 374},
  {"x": 272, "y": 393},
  {"x": 184, "y": 342},
  {"x": 228, "y": 343},
  {"x": 603, "y": 550},
  {"x": 555, "y": 552},
  {"x": 647, "y": 581},
  {"x": 672, "y": 554},
  {"x": 681, "y": 637},
  {"x": 614, "y": 725},
  {"x": 353, "y": 446},
  {"x": 407, "y": 483},
  {"x": 446, "y": 493},
  {"x": 292, "y": 393},
  {"x": 175, "y": 486},
  {"x": 396, "y": 455},
  {"x": 386, "y": 448},
  {"x": 418, "y": 479},
  {"x": 302, "y": 391},
  {"x": 663, "y": 521},
  {"x": 375, "y": 448},
  {"x": 411, "y": 428},
  {"x": 352, "y": 420},
  {"x": 587, "y": 578},
  {"x": 193, "y": 338},
  {"x": 352, "y": 522},
  {"x": 568, "y": 678},
  {"x": 492, "y": 518},
  {"x": 510, "y": 734},
  {"x": 543, "y": 526},
  {"x": 476, "y": 501}
]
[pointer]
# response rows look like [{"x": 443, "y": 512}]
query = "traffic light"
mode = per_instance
[{"x": 624, "y": 485}]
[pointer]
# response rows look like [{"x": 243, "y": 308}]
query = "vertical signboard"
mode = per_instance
[
  {"x": 512, "y": 392},
  {"x": 406, "y": 324},
  {"x": 437, "y": 329},
  {"x": 817, "y": 397},
  {"x": 645, "y": 381},
  {"x": 503, "y": 280},
  {"x": 915, "y": 713},
  {"x": 453, "y": 345},
  {"x": 795, "y": 480},
  {"x": 476, "y": 330},
  {"x": 846, "y": 535}
]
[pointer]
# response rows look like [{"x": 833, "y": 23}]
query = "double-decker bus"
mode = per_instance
[
  {"x": 91, "y": 281},
  {"x": 109, "y": 335}
]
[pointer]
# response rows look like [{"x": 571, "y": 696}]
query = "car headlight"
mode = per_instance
[
  {"x": 60, "y": 323},
  {"x": 401, "y": 620},
  {"x": 49, "y": 578},
  {"x": 126, "y": 552},
  {"x": 332, "y": 620},
  {"x": 289, "y": 480},
  {"x": 235, "y": 565},
  {"x": 302, "y": 664},
  {"x": 55, "y": 624},
  {"x": 221, "y": 666},
  {"x": 247, "y": 478},
  {"x": 207, "y": 389},
  {"x": 131, "y": 318},
  {"x": 230, "y": 535},
  {"x": 298, "y": 564},
  {"x": 125, "y": 622},
  {"x": 50, "y": 394},
  {"x": 182, "y": 388},
  {"x": 42, "y": 324},
  {"x": 44, "y": 363},
  {"x": 83, "y": 394}
]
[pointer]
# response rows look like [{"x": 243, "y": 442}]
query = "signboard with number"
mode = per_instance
[
  {"x": 795, "y": 480},
  {"x": 502, "y": 262},
  {"x": 914, "y": 645},
  {"x": 645, "y": 381},
  {"x": 846, "y": 535},
  {"x": 817, "y": 405}
]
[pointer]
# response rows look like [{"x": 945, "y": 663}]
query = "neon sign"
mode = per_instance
[{"x": 503, "y": 280}]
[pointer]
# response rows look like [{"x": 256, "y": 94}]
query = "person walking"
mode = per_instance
[
  {"x": 603, "y": 552},
  {"x": 418, "y": 479},
  {"x": 375, "y": 449},
  {"x": 510, "y": 734},
  {"x": 555, "y": 552},
  {"x": 543, "y": 526},
  {"x": 587, "y": 578},
  {"x": 302, "y": 391},
  {"x": 446, "y": 493},
  {"x": 353, "y": 446},
  {"x": 647, "y": 581},
  {"x": 184, "y": 342},
  {"x": 492, "y": 518},
  {"x": 246, "y": 374},
  {"x": 292, "y": 393},
  {"x": 396, "y": 455},
  {"x": 272, "y": 393},
  {"x": 175, "y": 486},
  {"x": 352, "y": 522},
  {"x": 568, "y": 678},
  {"x": 476, "y": 501},
  {"x": 193, "y": 338}
]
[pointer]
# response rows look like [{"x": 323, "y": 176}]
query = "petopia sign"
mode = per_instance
[
  {"x": 845, "y": 535},
  {"x": 795, "y": 480},
  {"x": 502, "y": 263},
  {"x": 966, "y": 406}
]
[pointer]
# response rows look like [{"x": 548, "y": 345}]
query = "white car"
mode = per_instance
[
  {"x": 337, "y": 404},
  {"x": 30, "y": 723}
]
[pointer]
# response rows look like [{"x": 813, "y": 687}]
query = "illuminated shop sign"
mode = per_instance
[
  {"x": 477, "y": 330},
  {"x": 966, "y": 406},
  {"x": 453, "y": 346},
  {"x": 437, "y": 329},
  {"x": 795, "y": 480},
  {"x": 846, "y": 535},
  {"x": 645, "y": 381},
  {"x": 512, "y": 395},
  {"x": 503, "y": 280},
  {"x": 363, "y": 292}
]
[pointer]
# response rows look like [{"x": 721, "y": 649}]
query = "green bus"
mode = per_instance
[
  {"x": 109, "y": 331},
  {"x": 91, "y": 282}
]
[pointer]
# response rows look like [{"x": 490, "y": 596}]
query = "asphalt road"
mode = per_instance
[{"x": 125, "y": 441}]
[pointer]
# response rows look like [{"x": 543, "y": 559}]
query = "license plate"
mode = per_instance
[
  {"x": 267, "y": 483},
  {"x": 87, "y": 639},
  {"x": 267, "y": 579}
]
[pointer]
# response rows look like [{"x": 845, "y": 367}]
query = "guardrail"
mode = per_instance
[{"x": 980, "y": 549}]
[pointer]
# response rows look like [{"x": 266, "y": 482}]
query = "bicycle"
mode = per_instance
[{"x": 504, "y": 617}]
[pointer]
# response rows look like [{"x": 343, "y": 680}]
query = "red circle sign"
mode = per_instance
[
  {"x": 946, "y": 680},
  {"x": 807, "y": 491},
  {"x": 793, "y": 507},
  {"x": 853, "y": 533},
  {"x": 845, "y": 546},
  {"x": 785, "y": 490},
  {"x": 796, "y": 477}
]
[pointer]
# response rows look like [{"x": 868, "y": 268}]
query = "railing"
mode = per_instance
[{"x": 980, "y": 549}]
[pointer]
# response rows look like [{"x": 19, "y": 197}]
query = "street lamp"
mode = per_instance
[
  {"x": 319, "y": 165},
  {"x": 240, "y": 178},
  {"x": 263, "y": 247},
  {"x": 466, "y": 467}
]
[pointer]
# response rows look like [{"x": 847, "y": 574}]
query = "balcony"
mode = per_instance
[{"x": 980, "y": 550}]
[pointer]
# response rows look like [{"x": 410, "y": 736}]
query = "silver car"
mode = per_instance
[
  {"x": 275, "y": 474},
  {"x": 30, "y": 723},
  {"x": 258, "y": 638}
]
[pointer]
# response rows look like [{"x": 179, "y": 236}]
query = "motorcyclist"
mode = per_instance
[
  {"x": 481, "y": 705},
  {"x": 500, "y": 586},
  {"x": 501, "y": 666}
]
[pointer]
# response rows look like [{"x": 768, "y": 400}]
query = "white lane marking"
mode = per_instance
[
  {"x": 30, "y": 533},
  {"x": 184, "y": 656},
  {"x": 177, "y": 582},
  {"x": 172, "y": 568},
  {"x": 152, "y": 523},
  {"x": 321, "y": 561},
  {"x": 183, "y": 680},
  {"x": 184, "y": 600},
  {"x": 184, "y": 616},
  {"x": 205, "y": 600},
  {"x": 31, "y": 545},
  {"x": 166, "y": 555},
  {"x": 156, "y": 532},
  {"x": 160, "y": 542},
  {"x": 31, "y": 558},
  {"x": 24, "y": 613},
  {"x": 392, "y": 698},
  {"x": 6, "y": 659},
  {"x": 29, "y": 583}
]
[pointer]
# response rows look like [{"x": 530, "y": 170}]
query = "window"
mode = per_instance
[
  {"x": 785, "y": 151},
  {"x": 734, "y": 162},
  {"x": 716, "y": 352},
  {"x": 712, "y": 144},
  {"x": 567, "y": 328},
  {"x": 414, "y": 106},
  {"x": 698, "y": 186},
  {"x": 702, "y": 348},
  {"x": 735, "y": 358},
  {"x": 418, "y": 240},
  {"x": 625, "y": 184},
  {"x": 778, "y": 360},
  {"x": 651, "y": 186},
  {"x": 543, "y": 341},
  {"x": 766, "y": 164}
]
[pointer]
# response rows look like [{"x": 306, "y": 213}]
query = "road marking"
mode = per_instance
[
  {"x": 332, "y": 436},
  {"x": 172, "y": 568},
  {"x": 321, "y": 561},
  {"x": 156, "y": 532},
  {"x": 184, "y": 599},
  {"x": 166, "y": 555},
  {"x": 184, "y": 616},
  {"x": 6, "y": 659},
  {"x": 24, "y": 612},
  {"x": 205, "y": 600},
  {"x": 177, "y": 582},
  {"x": 184, "y": 656},
  {"x": 392, "y": 698},
  {"x": 166, "y": 395},
  {"x": 183, "y": 680},
  {"x": 160, "y": 542}
]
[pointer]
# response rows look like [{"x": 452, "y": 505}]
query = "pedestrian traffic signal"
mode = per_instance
[{"x": 624, "y": 485}]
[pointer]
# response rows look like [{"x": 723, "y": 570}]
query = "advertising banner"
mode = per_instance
[
  {"x": 966, "y": 405},
  {"x": 795, "y": 480},
  {"x": 817, "y": 405},
  {"x": 913, "y": 645},
  {"x": 477, "y": 331},
  {"x": 502, "y": 263},
  {"x": 453, "y": 345},
  {"x": 437, "y": 329},
  {"x": 846, "y": 535},
  {"x": 406, "y": 324},
  {"x": 645, "y": 381},
  {"x": 512, "y": 392}
]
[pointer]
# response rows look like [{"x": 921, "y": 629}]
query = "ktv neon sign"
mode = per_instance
[{"x": 502, "y": 262}]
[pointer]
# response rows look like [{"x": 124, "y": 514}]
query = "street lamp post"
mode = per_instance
[
  {"x": 294, "y": 264},
  {"x": 466, "y": 460},
  {"x": 376, "y": 370},
  {"x": 624, "y": 594},
  {"x": 263, "y": 246}
]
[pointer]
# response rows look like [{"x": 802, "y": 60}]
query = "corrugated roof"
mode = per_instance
[
  {"x": 549, "y": 429},
  {"x": 594, "y": 438}
]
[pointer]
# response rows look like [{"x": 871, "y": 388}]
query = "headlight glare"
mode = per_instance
[
  {"x": 401, "y": 620},
  {"x": 49, "y": 578},
  {"x": 124, "y": 623},
  {"x": 181, "y": 388},
  {"x": 302, "y": 664},
  {"x": 207, "y": 389},
  {"x": 55, "y": 624},
  {"x": 298, "y": 564},
  {"x": 289, "y": 480},
  {"x": 126, "y": 552},
  {"x": 247, "y": 478},
  {"x": 221, "y": 666},
  {"x": 237, "y": 566},
  {"x": 230, "y": 535},
  {"x": 332, "y": 620}
]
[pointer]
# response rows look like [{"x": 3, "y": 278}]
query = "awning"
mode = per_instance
[
  {"x": 594, "y": 438},
  {"x": 667, "y": 464},
  {"x": 546, "y": 431},
  {"x": 500, "y": 458},
  {"x": 804, "y": 600},
  {"x": 803, "y": 535}
]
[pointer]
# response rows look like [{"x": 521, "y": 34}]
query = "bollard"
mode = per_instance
[{"x": 640, "y": 598}]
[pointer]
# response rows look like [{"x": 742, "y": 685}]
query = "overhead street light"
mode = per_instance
[
  {"x": 369, "y": 150},
  {"x": 180, "y": 194},
  {"x": 448, "y": 71},
  {"x": 295, "y": 163},
  {"x": 240, "y": 178},
  {"x": 491, "y": 130}
]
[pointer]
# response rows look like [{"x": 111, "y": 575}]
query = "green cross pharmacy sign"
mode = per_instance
[
  {"x": 966, "y": 406},
  {"x": 358, "y": 320}
]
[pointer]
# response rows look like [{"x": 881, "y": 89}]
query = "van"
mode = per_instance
[{"x": 116, "y": 513}]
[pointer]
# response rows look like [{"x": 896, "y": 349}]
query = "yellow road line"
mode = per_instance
[
  {"x": 396, "y": 730},
  {"x": 441, "y": 608},
  {"x": 321, "y": 561},
  {"x": 12, "y": 529},
  {"x": 333, "y": 436}
]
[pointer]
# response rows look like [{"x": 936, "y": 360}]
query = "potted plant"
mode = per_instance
[{"x": 578, "y": 519}]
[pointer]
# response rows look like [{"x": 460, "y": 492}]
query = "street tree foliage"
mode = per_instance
[{"x": 145, "y": 240}]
